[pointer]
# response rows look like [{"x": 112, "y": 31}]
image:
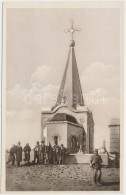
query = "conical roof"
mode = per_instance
[{"x": 70, "y": 92}]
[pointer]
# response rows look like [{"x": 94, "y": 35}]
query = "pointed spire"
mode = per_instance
[{"x": 70, "y": 92}]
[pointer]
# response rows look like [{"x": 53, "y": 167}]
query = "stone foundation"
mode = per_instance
[{"x": 84, "y": 159}]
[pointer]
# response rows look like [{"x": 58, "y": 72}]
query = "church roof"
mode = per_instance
[
  {"x": 64, "y": 117},
  {"x": 70, "y": 92}
]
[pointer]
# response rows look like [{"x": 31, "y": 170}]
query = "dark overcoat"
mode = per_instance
[
  {"x": 18, "y": 153},
  {"x": 49, "y": 150},
  {"x": 27, "y": 151},
  {"x": 11, "y": 155},
  {"x": 42, "y": 153}
]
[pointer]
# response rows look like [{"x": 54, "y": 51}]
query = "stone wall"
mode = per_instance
[
  {"x": 114, "y": 135},
  {"x": 114, "y": 139},
  {"x": 84, "y": 159}
]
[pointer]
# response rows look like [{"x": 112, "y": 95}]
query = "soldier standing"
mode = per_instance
[
  {"x": 27, "y": 151},
  {"x": 95, "y": 164},
  {"x": 18, "y": 153},
  {"x": 36, "y": 152},
  {"x": 11, "y": 157}
]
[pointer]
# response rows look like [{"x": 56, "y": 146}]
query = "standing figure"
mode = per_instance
[
  {"x": 58, "y": 154},
  {"x": 18, "y": 153},
  {"x": 50, "y": 153},
  {"x": 54, "y": 154},
  {"x": 42, "y": 153},
  {"x": 95, "y": 164},
  {"x": 27, "y": 151},
  {"x": 11, "y": 157},
  {"x": 46, "y": 159},
  {"x": 36, "y": 152},
  {"x": 73, "y": 142},
  {"x": 63, "y": 150}
]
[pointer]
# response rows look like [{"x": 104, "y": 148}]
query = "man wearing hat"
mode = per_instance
[
  {"x": 95, "y": 164},
  {"x": 18, "y": 153}
]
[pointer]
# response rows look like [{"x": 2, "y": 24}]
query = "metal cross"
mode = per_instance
[{"x": 72, "y": 29}]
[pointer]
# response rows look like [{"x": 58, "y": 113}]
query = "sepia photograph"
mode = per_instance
[{"x": 62, "y": 97}]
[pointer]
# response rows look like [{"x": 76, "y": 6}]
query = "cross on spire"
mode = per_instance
[{"x": 72, "y": 30}]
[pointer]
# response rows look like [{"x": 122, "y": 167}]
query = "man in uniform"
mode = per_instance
[{"x": 95, "y": 164}]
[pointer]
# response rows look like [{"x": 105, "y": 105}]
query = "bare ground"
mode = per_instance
[{"x": 59, "y": 178}]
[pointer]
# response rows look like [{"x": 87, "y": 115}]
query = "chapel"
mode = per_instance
[{"x": 69, "y": 121}]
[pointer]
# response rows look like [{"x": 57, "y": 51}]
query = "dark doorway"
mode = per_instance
[{"x": 73, "y": 142}]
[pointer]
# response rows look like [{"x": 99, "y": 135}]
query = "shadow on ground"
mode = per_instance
[{"x": 110, "y": 183}]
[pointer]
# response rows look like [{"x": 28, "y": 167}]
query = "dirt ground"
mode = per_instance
[{"x": 59, "y": 178}]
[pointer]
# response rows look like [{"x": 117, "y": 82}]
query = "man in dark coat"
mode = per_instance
[
  {"x": 42, "y": 153},
  {"x": 50, "y": 153},
  {"x": 27, "y": 151},
  {"x": 11, "y": 157},
  {"x": 62, "y": 150},
  {"x": 95, "y": 164},
  {"x": 36, "y": 152},
  {"x": 18, "y": 153}
]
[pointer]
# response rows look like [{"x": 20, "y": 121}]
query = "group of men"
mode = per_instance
[
  {"x": 43, "y": 154},
  {"x": 49, "y": 155},
  {"x": 46, "y": 154},
  {"x": 16, "y": 151}
]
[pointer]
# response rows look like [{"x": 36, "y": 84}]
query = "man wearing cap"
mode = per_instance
[
  {"x": 18, "y": 153},
  {"x": 95, "y": 164},
  {"x": 36, "y": 152}
]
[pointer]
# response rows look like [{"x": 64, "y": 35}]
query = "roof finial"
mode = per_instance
[{"x": 72, "y": 29}]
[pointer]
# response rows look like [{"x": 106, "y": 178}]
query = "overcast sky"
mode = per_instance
[{"x": 37, "y": 50}]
